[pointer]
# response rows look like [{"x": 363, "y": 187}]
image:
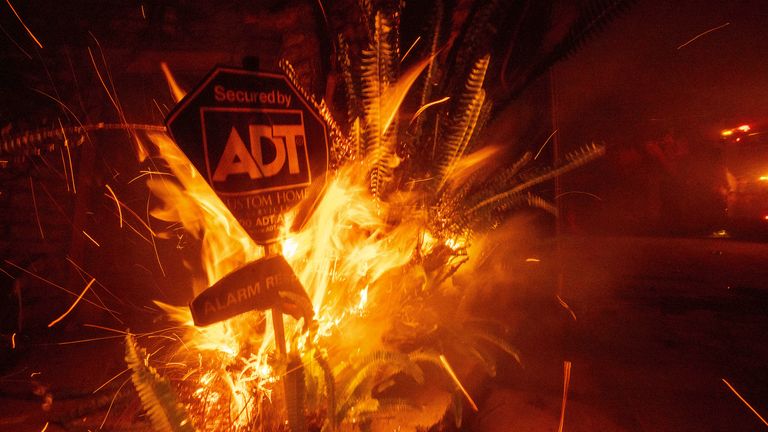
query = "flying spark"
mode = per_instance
[
  {"x": 57, "y": 320},
  {"x": 745, "y": 402},
  {"x": 31, "y": 35},
  {"x": 176, "y": 91},
  {"x": 458, "y": 383},
  {"x": 703, "y": 34},
  {"x": 427, "y": 105},
  {"x": 91, "y": 239},
  {"x": 37, "y": 213},
  {"x": 110, "y": 380},
  {"x": 117, "y": 202},
  {"x": 55, "y": 285},
  {"x": 566, "y": 383},
  {"x": 545, "y": 144},
  {"x": 566, "y": 307}
]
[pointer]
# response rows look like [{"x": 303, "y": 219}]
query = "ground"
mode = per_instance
[{"x": 659, "y": 324}]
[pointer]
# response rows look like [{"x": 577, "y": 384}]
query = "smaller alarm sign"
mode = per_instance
[
  {"x": 256, "y": 140},
  {"x": 263, "y": 284}
]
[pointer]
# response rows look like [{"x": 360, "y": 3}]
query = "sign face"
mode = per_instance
[
  {"x": 263, "y": 284},
  {"x": 257, "y": 142}
]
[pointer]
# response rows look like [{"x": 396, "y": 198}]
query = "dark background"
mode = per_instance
[{"x": 632, "y": 86}]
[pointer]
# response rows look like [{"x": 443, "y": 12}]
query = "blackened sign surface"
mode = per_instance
[
  {"x": 255, "y": 286},
  {"x": 257, "y": 142}
]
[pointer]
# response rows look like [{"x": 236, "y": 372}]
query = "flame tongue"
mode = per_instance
[{"x": 262, "y": 284}]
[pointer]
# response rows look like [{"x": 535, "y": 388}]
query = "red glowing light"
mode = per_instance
[{"x": 743, "y": 129}]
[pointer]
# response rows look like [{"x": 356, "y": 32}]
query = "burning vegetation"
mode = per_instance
[
  {"x": 406, "y": 197},
  {"x": 380, "y": 332}
]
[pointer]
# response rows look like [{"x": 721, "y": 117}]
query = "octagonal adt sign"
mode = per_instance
[{"x": 256, "y": 140}]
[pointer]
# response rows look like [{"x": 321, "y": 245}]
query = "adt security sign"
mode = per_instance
[{"x": 256, "y": 140}]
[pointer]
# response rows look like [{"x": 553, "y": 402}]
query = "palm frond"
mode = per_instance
[
  {"x": 509, "y": 173},
  {"x": 350, "y": 84},
  {"x": 388, "y": 363},
  {"x": 574, "y": 160},
  {"x": 366, "y": 12},
  {"x": 330, "y": 388},
  {"x": 462, "y": 122},
  {"x": 486, "y": 360},
  {"x": 430, "y": 79},
  {"x": 495, "y": 341},
  {"x": 356, "y": 140},
  {"x": 594, "y": 17},
  {"x": 157, "y": 397},
  {"x": 490, "y": 217},
  {"x": 377, "y": 75},
  {"x": 370, "y": 409},
  {"x": 294, "y": 392},
  {"x": 477, "y": 33},
  {"x": 396, "y": 363}
]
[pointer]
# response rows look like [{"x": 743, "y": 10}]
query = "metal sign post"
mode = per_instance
[{"x": 260, "y": 145}]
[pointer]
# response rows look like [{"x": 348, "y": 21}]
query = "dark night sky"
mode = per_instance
[
  {"x": 631, "y": 75},
  {"x": 634, "y": 76},
  {"x": 631, "y": 86}
]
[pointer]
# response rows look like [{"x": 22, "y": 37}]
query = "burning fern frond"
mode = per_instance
[
  {"x": 430, "y": 80},
  {"x": 509, "y": 173},
  {"x": 594, "y": 17},
  {"x": 475, "y": 39},
  {"x": 330, "y": 387},
  {"x": 377, "y": 76},
  {"x": 462, "y": 122},
  {"x": 540, "y": 203},
  {"x": 481, "y": 335},
  {"x": 320, "y": 385},
  {"x": 157, "y": 397},
  {"x": 575, "y": 159},
  {"x": 358, "y": 407},
  {"x": 492, "y": 216},
  {"x": 356, "y": 140},
  {"x": 371, "y": 409},
  {"x": 350, "y": 85},
  {"x": 380, "y": 365},
  {"x": 295, "y": 391},
  {"x": 366, "y": 12}
]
